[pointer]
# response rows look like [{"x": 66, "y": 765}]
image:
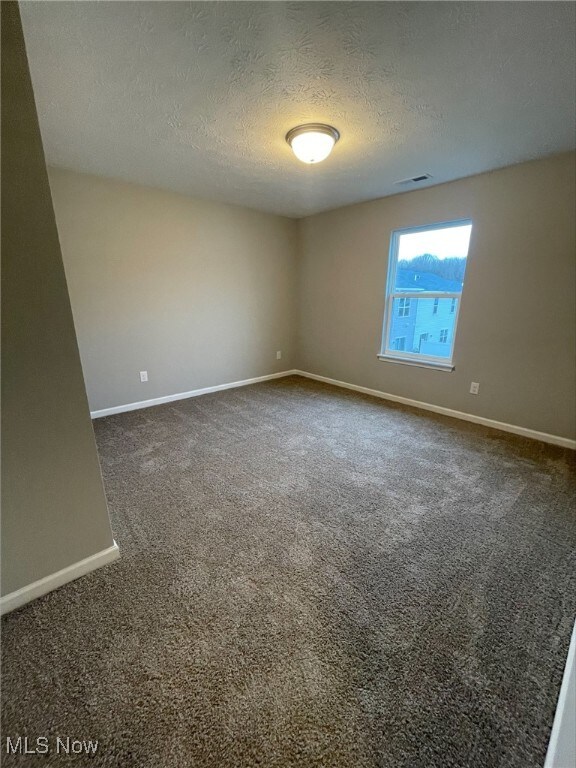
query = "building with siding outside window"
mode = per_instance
[{"x": 424, "y": 325}]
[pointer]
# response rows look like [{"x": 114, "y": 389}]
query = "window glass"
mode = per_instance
[{"x": 426, "y": 278}]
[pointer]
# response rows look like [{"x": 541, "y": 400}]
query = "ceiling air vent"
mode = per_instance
[{"x": 413, "y": 180}]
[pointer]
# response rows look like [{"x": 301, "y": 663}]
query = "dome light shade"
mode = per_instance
[{"x": 313, "y": 142}]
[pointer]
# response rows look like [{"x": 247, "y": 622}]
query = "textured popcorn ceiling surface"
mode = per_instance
[{"x": 197, "y": 97}]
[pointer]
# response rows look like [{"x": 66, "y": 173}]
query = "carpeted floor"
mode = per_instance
[{"x": 309, "y": 577}]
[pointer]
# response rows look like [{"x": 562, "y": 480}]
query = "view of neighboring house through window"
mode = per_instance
[{"x": 425, "y": 281}]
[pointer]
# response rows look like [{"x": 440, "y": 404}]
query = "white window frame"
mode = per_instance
[{"x": 414, "y": 358}]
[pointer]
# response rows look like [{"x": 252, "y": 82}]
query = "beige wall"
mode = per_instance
[
  {"x": 53, "y": 506},
  {"x": 517, "y": 325},
  {"x": 200, "y": 294},
  {"x": 196, "y": 293}
]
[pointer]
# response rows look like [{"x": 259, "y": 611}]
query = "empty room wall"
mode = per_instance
[
  {"x": 54, "y": 510},
  {"x": 517, "y": 325},
  {"x": 201, "y": 294},
  {"x": 196, "y": 293}
]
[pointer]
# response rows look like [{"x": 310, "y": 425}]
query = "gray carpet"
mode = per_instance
[{"x": 309, "y": 577}]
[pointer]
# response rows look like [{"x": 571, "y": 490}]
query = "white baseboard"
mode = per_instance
[
  {"x": 562, "y": 746},
  {"x": 41, "y": 587},
  {"x": 565, "y": 442},
  {"x": 185, "y": 395}
]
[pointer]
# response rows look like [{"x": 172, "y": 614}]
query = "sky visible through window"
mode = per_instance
[{"x": 443, "y": 243}]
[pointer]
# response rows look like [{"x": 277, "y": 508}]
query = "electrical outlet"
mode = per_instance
[
  {"x": 143, "y": 376},
  {"x": 278, "y": 355},
  {"x": 474, "y": 388}
]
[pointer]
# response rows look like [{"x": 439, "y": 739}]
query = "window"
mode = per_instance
[
  {"x": 423, "y": 338},
  {"x": 423, "y": 293},
  {"x": 403, "y": 307},
  {"x": 400, "y": 343}
]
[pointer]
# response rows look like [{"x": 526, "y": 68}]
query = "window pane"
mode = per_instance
[
  {"x": 427, "y": 329},
  {"x": 433, "y": 260}
]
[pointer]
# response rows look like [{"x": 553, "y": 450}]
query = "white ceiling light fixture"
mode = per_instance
[{"x": 313, "y": 142}]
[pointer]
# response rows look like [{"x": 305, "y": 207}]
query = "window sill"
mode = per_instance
[{"x": 417, "y": 363}]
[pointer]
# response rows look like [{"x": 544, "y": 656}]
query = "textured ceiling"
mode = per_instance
[{"x": 197, "y": 97}]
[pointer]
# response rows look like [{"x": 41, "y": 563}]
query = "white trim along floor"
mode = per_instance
[{"x": 534, "y": 434}]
